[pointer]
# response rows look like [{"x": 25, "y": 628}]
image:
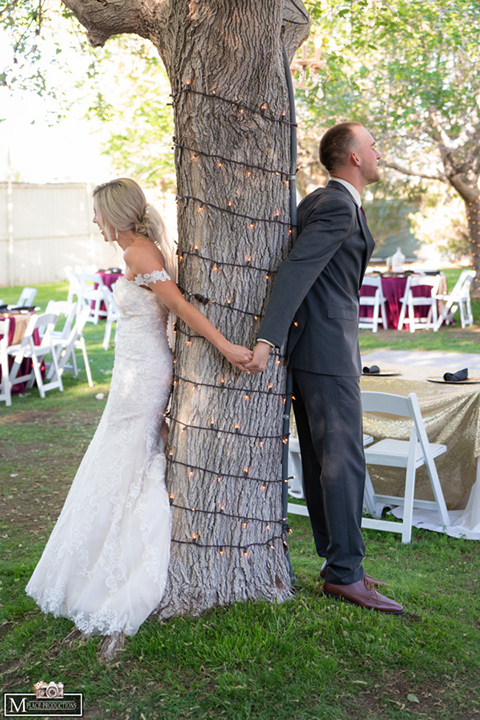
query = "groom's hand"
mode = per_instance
[{"x": 260, "y": 356}]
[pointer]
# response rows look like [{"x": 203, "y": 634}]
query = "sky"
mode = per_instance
[
  {"x": 34, "y": 148},
  {"x": 33, "y": 151}
]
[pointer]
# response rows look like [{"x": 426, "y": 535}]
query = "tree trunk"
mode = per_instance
[
  {"x": 232, "y": 138},
  {"x": 233, "y": 157},
  {"x": 473, "y": 218},
  {"x": 463, "y": 175}
]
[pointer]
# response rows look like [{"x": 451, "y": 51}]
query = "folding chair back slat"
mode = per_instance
[
  {"x": 413, "y": 298},
  {"x": 376, "y": 301},
  {"x": 27, "y": 297},
  {"x": 91, "y": 291},
  {"x": 65, "y": 309},
  {"x": 65, "y": 347},
  {"x": 458, "y": 299},
  {"x": 36, "y": 353}
]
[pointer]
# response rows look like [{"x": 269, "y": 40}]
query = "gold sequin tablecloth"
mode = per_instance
[{"x": 451, "y": 414}]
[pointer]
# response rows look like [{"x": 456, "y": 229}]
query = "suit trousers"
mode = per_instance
[{"x": 328, "y": 414}]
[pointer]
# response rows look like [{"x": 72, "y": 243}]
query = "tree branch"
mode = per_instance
[
  {"x": 7, "y": 8},
  {"x": 105, "y": 18},
  {"x": 414, "y": 173},
  {"x": 469, "y": 192}
]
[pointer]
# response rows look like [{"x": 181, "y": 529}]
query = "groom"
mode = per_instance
[{"x": 315, "y": 297}]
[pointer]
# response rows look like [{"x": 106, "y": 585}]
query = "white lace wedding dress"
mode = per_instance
[{"x": 105, "y": 564}]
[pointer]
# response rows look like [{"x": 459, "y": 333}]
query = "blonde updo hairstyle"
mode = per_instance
[{"x": 122, "y": 206}]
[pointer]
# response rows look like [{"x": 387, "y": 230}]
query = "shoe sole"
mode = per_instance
[{"x": 364, "y": 607}]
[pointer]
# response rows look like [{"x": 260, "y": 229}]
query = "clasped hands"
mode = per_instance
[
  {"x": 249, "y": 361},
  {"x": 258, "y": 362}
]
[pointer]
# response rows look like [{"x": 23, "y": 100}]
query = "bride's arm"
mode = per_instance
[{"x": 141, "y": 263}]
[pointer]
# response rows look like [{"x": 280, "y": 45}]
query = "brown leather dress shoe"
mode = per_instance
[
  {"x": 363, "y": 593},
  {"x": 374, "y": 581}
]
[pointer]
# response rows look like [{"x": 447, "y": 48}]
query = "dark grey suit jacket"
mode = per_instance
[{"x": 315, "y": 295}]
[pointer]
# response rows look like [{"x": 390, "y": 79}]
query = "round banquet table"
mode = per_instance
[
  {"x": 393, "y": 287},
  {"x": 109, "y": 278}
]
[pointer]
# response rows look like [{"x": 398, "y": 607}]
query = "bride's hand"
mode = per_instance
[{"x": 238, "y": 356}]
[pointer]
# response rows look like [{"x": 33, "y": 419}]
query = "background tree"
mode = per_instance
[
  {"x": 408, "y": 69},
  {"x": 440, "y": 221}
]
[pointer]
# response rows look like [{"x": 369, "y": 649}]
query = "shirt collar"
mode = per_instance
[{"x": 352, "y": 190}]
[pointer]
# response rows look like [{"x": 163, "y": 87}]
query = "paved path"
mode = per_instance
[{"x": 432, "y": 358}]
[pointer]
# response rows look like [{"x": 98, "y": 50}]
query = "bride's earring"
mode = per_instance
[{"x": 116, "y": 234}]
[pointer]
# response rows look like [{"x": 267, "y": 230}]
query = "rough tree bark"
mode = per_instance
[
  {"x": 465, "y": 177},
  {"x": 232, "y": 136}
]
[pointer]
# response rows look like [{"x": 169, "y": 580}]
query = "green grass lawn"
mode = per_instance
[{"x": 311, "y": 658}]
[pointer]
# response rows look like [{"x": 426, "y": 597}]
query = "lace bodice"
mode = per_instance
[{"x": 134, "y": 299}]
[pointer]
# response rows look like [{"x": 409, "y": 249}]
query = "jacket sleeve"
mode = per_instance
[{"x": 328, "y": 226}]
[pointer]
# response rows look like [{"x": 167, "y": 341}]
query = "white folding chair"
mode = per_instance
[
  {"x": 27, "y": 297},
  {"x": 376, "y": 301},
  {"x": 295, "y": 488},
  {"x": 113, "y": 314},
  {"x": 90, "y": 294},
  {"x": 5, "y": 388},
  {"x": 411, "y": 300},
  {"x": 74, "y": 289},
  {"x": 65, "y": 348},
  {"x": 409, "y": 454},
  {"x": 63, "y": 309},
  {"x": 458, "y": 299},
  {"x": 27, "y": 349}
]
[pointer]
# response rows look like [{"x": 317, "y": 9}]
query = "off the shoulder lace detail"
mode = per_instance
[{"x": 152, "y": 277}]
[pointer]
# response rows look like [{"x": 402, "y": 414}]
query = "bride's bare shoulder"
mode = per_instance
[
  {"x": 143, "y": 256},
  {"x": 142, "y": 248}
]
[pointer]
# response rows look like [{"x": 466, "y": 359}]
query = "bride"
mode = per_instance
[{"x": 105, "y": 563}]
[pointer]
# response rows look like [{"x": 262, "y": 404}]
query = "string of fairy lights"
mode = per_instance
[
  {"x": 252, "y": 220},
  {"x": 200, "y": 474},
  {"x": 221, "y": 386},
  {"x": 220, "y": 476},
  {"x": 215, "y": 263},
  {"x": 262, "y": 110},
  {"x": 221, "y": 160}
]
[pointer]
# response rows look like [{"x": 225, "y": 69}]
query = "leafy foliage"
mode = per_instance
[
  {"x": 441, "y": 221},
  {"x": 408, "y": 70},
  {"x": 133, "y": 98},
  {"x": 29, "y": 28},
  {"x": 123, "y": 87}
]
